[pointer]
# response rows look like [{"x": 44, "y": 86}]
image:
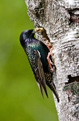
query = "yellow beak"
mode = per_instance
[{"x": 38, "y": 29}]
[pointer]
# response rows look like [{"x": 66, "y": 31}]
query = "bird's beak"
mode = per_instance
[{"x": 38, "y": 29}]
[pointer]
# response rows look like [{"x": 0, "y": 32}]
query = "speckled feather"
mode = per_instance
[{"x": 37, "y": 53}]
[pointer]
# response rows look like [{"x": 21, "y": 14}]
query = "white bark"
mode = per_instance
[{"x": 53, "y": 16}]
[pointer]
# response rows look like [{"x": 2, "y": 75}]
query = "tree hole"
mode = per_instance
[
  {"x": 72, "y": 79},
  {"x": 74, "y": 15}
]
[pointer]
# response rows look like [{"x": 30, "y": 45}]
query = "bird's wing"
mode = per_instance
[{"x": 36, "y": 64}]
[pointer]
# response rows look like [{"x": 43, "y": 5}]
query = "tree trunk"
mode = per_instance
[{"x": 60, "y": 19}]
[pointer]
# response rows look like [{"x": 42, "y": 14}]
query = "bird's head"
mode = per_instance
[{"x": 27, "y": 35}]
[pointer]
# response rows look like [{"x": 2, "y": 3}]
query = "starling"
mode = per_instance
[{"x": 37, "y": 53}]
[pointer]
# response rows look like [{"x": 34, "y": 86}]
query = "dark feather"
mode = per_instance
[
  {"x": 41, "y": 79},
  {"x": 37, "y": 68}
]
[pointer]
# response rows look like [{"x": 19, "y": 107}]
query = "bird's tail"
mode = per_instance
[{"x": 51, "y": 85}]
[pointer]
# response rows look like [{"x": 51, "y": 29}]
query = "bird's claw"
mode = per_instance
[{"x": 49, "y": 61}]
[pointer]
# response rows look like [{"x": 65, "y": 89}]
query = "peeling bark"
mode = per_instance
[{"x": 60, "y": 19}]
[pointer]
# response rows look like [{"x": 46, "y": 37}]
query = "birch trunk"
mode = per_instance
[{"x": 60, "y": 19}]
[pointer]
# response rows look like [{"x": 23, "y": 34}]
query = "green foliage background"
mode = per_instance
[{"x": 20, "y": 98}]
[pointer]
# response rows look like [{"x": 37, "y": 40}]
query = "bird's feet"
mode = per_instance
[{"x": 49, "y": 61}]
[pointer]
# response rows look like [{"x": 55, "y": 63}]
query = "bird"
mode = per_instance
[{"x": 37, "y": 53}]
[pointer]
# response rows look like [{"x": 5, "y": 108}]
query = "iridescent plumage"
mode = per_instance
[{"x": 37, "y": 53}]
